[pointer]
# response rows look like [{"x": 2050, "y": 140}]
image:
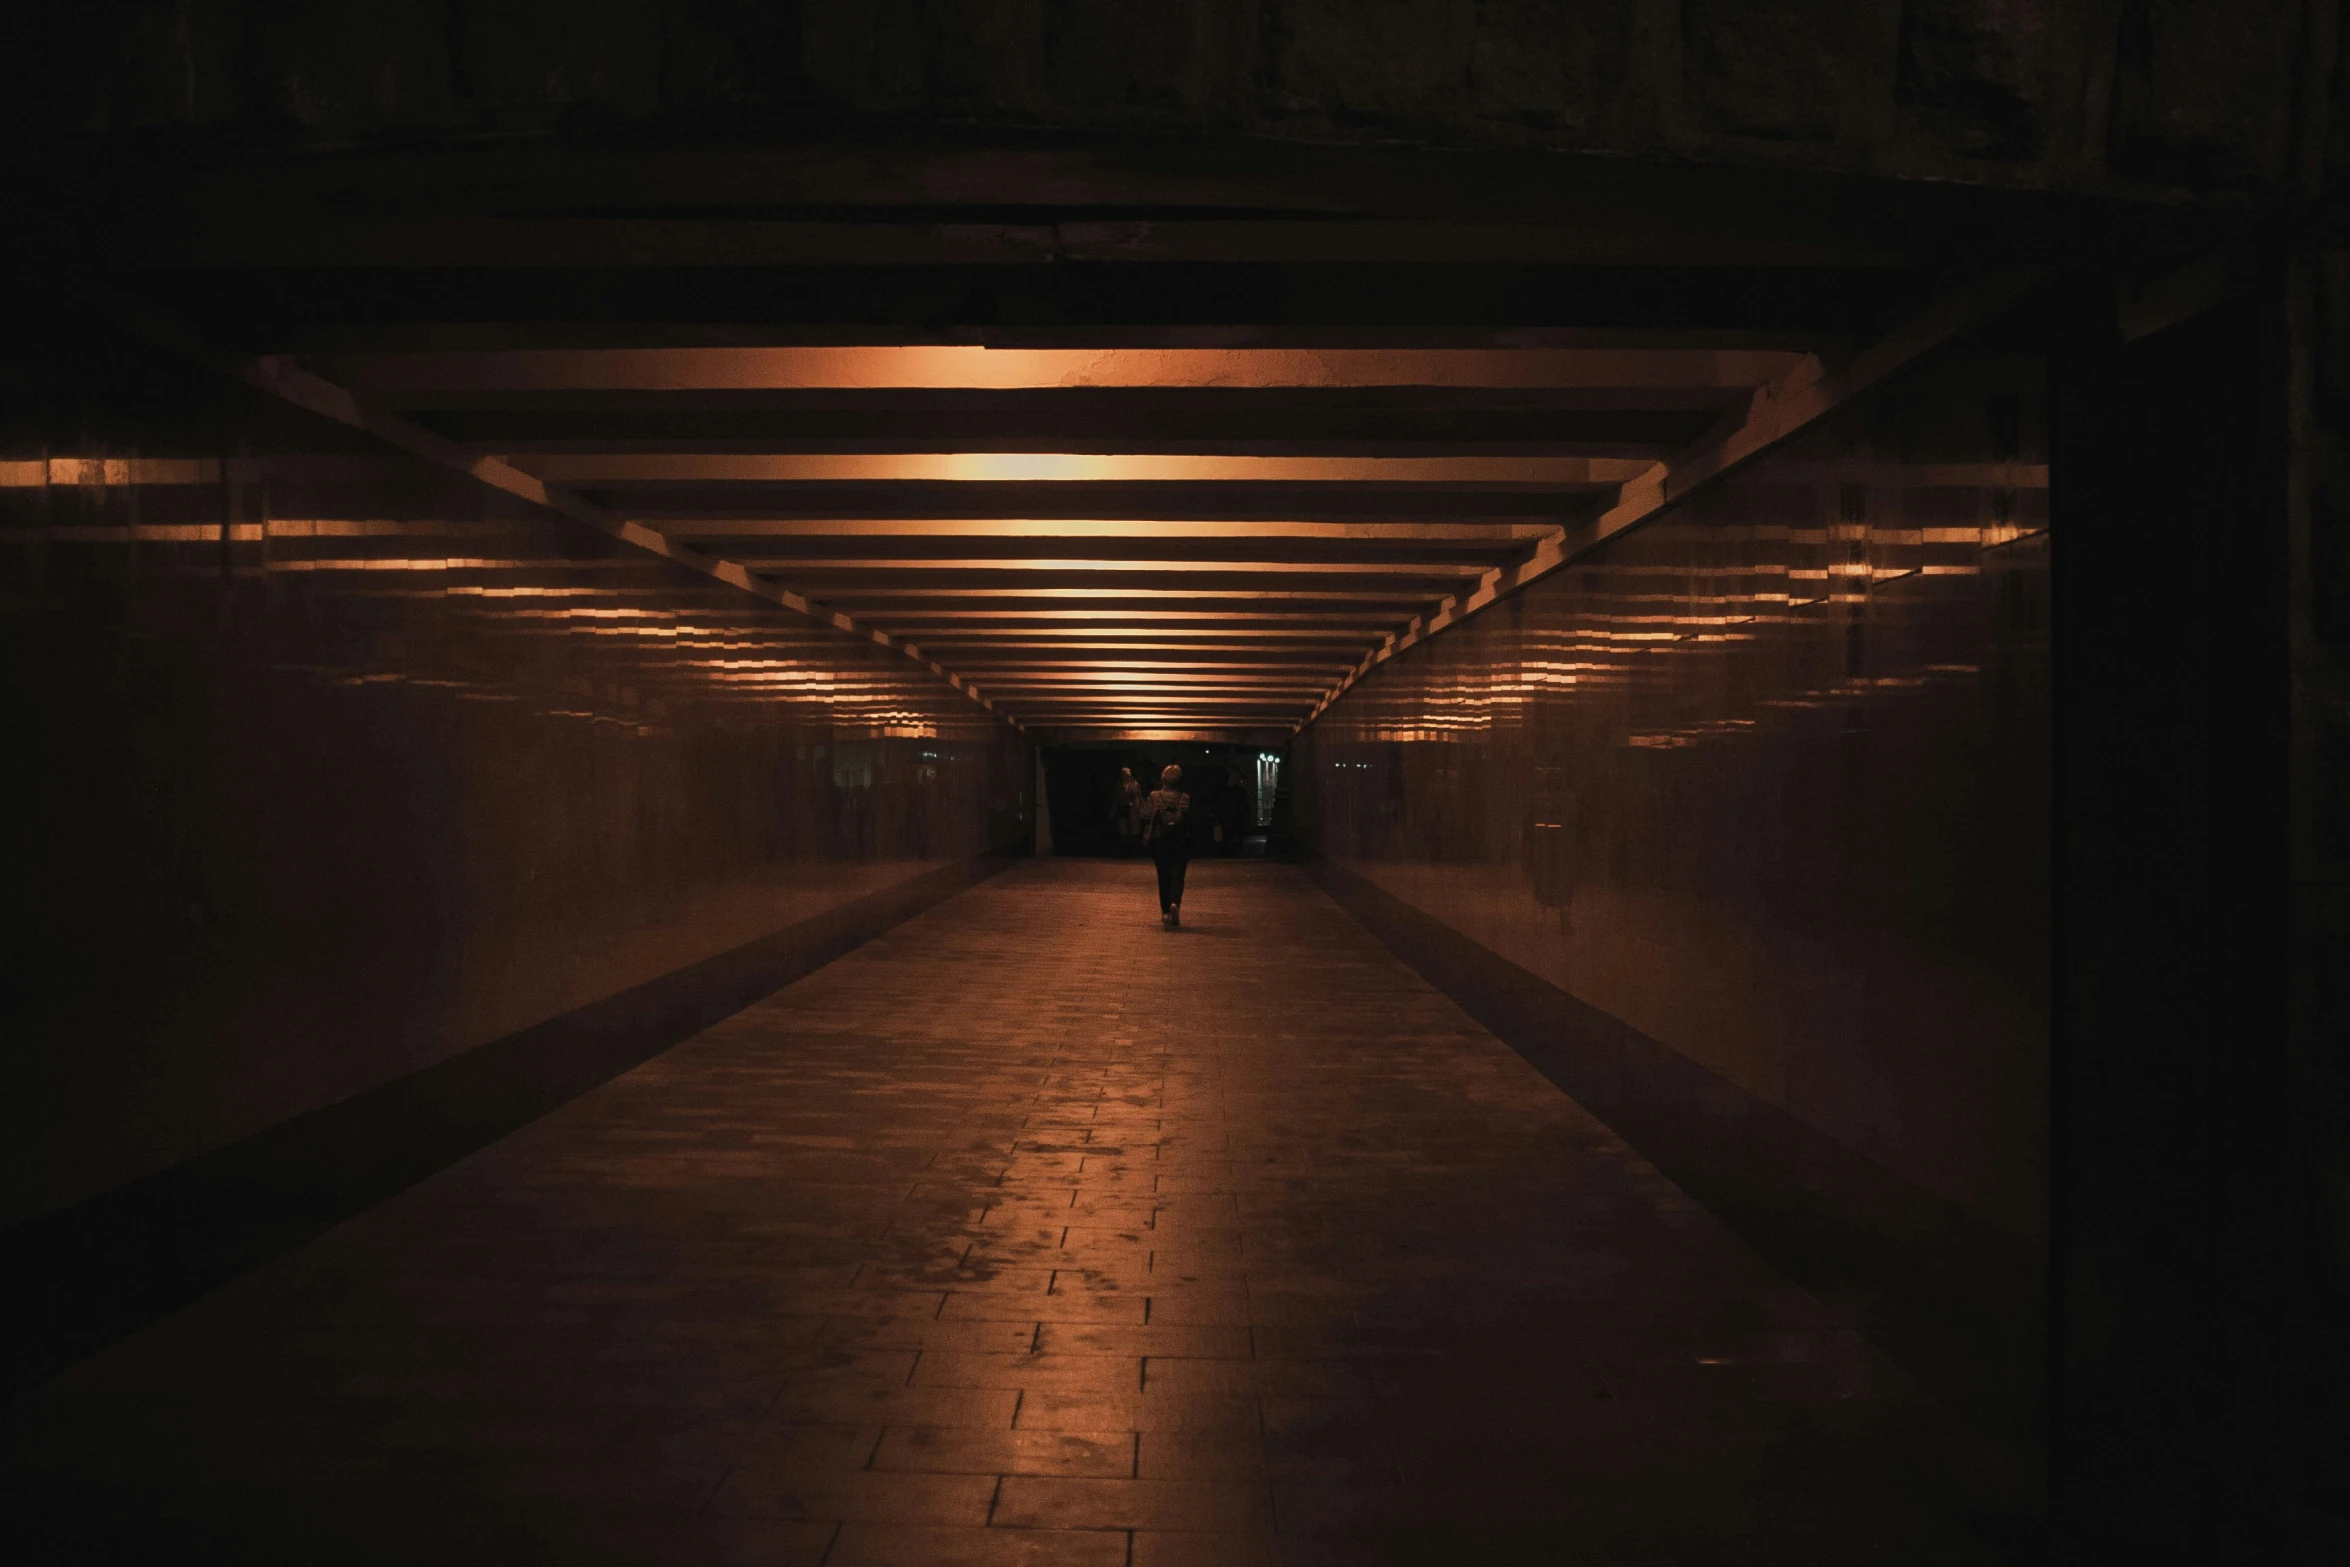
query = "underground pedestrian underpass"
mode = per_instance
[{"x": 1758, "y": 663}]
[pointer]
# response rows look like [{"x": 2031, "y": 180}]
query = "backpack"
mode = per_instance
[{"x": 1161, "y": 823}]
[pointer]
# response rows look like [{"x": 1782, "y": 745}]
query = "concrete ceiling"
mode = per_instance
[
  {"x": 1187, "y": 447},
  {"x": 1093, "y": 537}
]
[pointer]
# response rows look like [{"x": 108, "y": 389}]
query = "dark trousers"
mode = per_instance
[{"x": 1173, "y": 859}]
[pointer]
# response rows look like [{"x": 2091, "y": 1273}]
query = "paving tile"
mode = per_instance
[
  {"x": 969, "y": 1450},
  {"x": 1071, "y": 1307},
  {"x": 979, "y": 1278},
  {"x": 790, "y": 1448},
  {"x": 933, "y": 1335},
  {"x": 929, "y": 1406},
  {"x": 1216, "y": 1454},
  {"x": 1160, "y": 1340},
  {"x": 1218, "y": 1506},
  {"x": 1330, "y": 1439},
  {"x": 1188, "y": 1549},
  {"x": 1323, "y": 1378},
  {"x": 1059, "y": 1411},
  {"x": 1095, "y": 1268},
  {"x": 867, "y": 1496},
  {"x": 1076, "y": 1276},
  {"x": 1061, "y": 1373},
  {"x": 732, "y": 1540},
  {"x": 1197, "y": 1305},
  {"x": 877, "y": 1545},
  {"x": 822, "y": 1367}
]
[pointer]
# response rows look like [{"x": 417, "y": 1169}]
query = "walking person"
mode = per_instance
[
  {"x": 1126, "y": 810},
  {"x": 1166, "y": 827}
]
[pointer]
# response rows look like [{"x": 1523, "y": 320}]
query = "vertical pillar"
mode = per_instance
[
  {"x": 2178, "y": 1228},
  {"x": 2318, "y": 1025}
]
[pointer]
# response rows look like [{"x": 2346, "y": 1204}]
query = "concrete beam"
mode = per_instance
[
  {"x": 282, "y": 378},
  {"x": 1776, "y": 413},
  {"x": 963, "y": 366},
  {"x": 1080, "y": 563},
  {"x": 1464, "y": 530},
  {"x": 641, "y": 468},
  {"x": 728, "y": 242}
]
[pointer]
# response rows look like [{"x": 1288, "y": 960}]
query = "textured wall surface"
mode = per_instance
[
  {"x": 1768, "y": 781},
  {"x": 2167, "y": 94},
  {"x": 391, "y": 769}
]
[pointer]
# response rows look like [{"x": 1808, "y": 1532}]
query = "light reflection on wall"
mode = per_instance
[
  {"x": 346, "y": 765},
  {"x": 1767, "y": 780}
]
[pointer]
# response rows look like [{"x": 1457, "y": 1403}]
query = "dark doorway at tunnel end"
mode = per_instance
[{"x": 1240, "y": 795}]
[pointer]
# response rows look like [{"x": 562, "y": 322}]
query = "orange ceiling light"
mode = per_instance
[
  {"x": 600, "y": 468},
  {"x": 967, "y": 367}
]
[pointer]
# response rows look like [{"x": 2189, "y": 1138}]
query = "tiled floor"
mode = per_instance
[{"x": 1029, "y": 1233}]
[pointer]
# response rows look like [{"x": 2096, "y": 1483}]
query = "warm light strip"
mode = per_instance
[
  {"x": 1123, "y": 730},
  {"x": 1120, "y": 636},
  {"x": 1250, "y": 617},
  {"x": 1169, "y": 677},
  {"x": 283, "y": 378},
  {"x": 1211, "y": 708},
  {"x": 1469, "y": 530},
  {"x": 1302, "y": 629},
  {"x": 1122, "y": 664},
  {"x": 137, "y": 533},
  {"x": 107, "y": 471},
  {"x": 965, "y": 366},
  {"x": 1795, "y": 402},
  {"x": 1139, "y": 706},
  {"x": 1412, "y": 568},
  {"x": 1334, "y": 656},
  {"x": 1243, "y": 712},
  {"x": 1145, "y": 676},
  {"x": 884, "y": 589},
  {"x": 1072, "y": 684},
  {"x": 596, "y": 468}
]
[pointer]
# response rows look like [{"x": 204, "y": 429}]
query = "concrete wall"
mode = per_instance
[
  {"x": 1767, "y": 781},
  {"x": 396, "y": 769},
  {"x": 2164, "y": 94}
]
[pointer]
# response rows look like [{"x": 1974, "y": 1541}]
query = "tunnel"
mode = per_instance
[{"x": 1253, "y": 782}]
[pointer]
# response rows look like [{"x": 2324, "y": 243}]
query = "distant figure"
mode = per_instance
[
  {"x": 1126, "y": 808},
  {"x": 1166, "y": 827}
]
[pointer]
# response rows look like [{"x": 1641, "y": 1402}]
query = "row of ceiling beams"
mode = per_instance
[
  {"x": 1093, "y": 538},
  {"x": 1117, "y": 435}
]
